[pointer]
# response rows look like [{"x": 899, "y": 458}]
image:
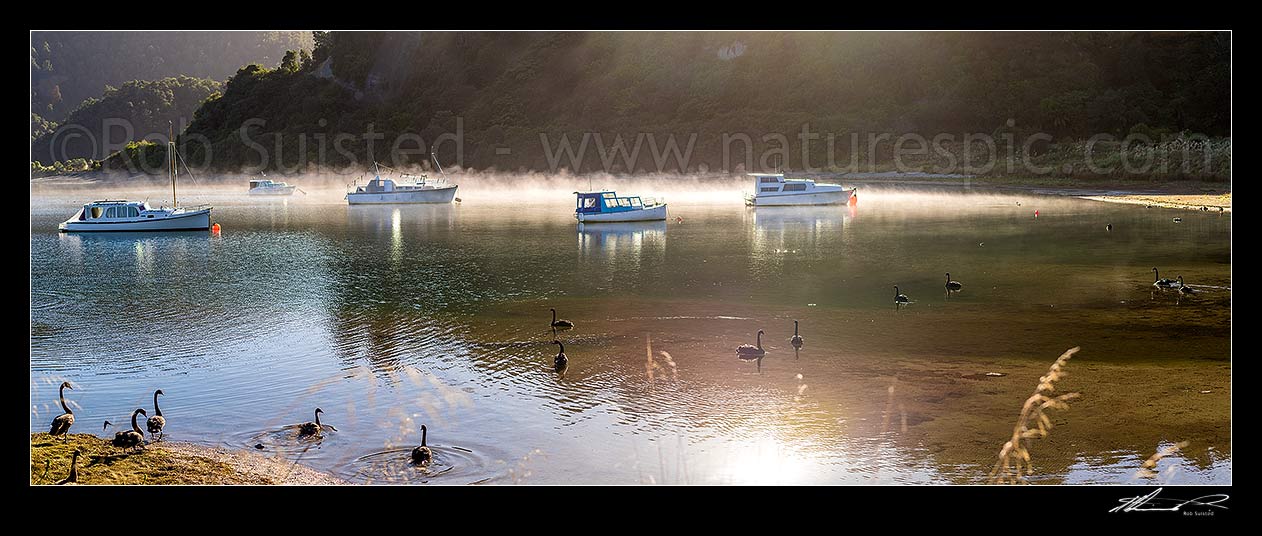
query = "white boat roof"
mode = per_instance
[
  {"x": 116, "y": 202},
  {"x": 765, "y": 174}
]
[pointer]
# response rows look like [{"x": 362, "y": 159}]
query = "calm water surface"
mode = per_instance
[{"x": 390, "y": 317}]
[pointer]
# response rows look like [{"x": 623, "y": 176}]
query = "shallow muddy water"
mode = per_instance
[{"x": 389, "y": 317}]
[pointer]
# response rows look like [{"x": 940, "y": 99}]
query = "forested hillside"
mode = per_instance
[
  {"x": 130, "y": 112},
  {"x": 505, "y": 89},
  {"x": 671, "y": 100},
  {"x": 69, "y": 67}
]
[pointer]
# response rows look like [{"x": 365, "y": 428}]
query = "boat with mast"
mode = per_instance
[
  {"x": 421, "y": 189},
  {"x": 122, "y": 215}
]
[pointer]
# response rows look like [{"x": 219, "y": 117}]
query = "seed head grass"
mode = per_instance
[{"x": 1014, "y": 464}]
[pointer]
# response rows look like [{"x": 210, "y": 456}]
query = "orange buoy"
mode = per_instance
[
  {"x": 854, "y": 199},
  {"x": 214, "y": 228}
]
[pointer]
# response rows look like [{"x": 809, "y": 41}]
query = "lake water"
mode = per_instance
[{"x": 389, "y": 317}]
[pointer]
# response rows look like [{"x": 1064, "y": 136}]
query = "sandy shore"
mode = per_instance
[
  {"x": 1183, "y": 201},
  {"x": 253, "y": 467}
]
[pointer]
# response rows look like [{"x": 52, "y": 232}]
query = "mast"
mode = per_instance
[
  {"x": 440, "y": 166},
  {"x": 171, "y": 168}
]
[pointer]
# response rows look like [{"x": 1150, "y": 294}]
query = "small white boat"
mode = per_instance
[
  {"x": 270, "y": 187},
  {"x": 598, "y": 207},
  {"x": 122, "y": 215},
  {"x": 772, "y": 189},
  {"x": 421, "y": 189}
]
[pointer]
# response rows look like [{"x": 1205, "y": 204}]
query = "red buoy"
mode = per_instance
[
  {"x": 1036, "y": 214},
  {"x": 214, "y": 228}
]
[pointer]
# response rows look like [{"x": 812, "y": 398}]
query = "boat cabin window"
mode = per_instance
[
  {"x": 589, "y": 202},
  {"x": 795, "y": 187},
  {"x": 609, "y": 202},
  {"x": 624, "y": 202},
  {"x": 770, "y": 189},
  {"x": 765, "y": 180},
  {"x": 96, "y": 212},
  {"x": 635, "y": 202},
  {"x": 607, "y": 195}
]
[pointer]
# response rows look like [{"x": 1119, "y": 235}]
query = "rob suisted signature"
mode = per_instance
[{"x": 1152, "y": 503}]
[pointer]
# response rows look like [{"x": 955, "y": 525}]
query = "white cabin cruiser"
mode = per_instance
[
  {"x": 422, "y": 189},
  {"x": 270, "y": 187},
  {"x": 772, "y": 189},
  {"x": 121, "y": 215}
]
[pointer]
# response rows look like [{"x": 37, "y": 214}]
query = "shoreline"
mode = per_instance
[
  {"x": 1210, "y": 203},
  {"x": 164, "y": 463},
  {"x": 1186, "y": 195}
]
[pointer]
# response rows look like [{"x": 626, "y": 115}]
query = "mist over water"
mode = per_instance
[{"x": 388, "y": 317}]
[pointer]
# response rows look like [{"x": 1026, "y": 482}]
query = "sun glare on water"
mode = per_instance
[{"x": 764, "y": 462}]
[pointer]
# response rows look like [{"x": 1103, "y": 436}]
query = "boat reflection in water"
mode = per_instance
[
  {"x": 774, "y": 227},
  {"x": 610, "y": 239},
  {"x": 385, "y": 220},
  {"x": 389, "y": 226},
  {"x": 145, "y": 247}
]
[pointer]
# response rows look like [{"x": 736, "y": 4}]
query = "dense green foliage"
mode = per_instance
[
  {"x": 271, "y": 105},
  {"x": 138, "y": 157},
  {"x": 40, "y": 126},
  {"x": 135, "y": 110},
  {"x": 68, "y": 67},
  {"x": 69, "y": 166},
  {"x": 506, "y": 89}
]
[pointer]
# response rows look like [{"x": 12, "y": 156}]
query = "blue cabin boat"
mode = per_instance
[{"x": 594, "y": 207}]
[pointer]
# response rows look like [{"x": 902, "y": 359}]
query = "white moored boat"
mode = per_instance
[
  {"x": 422, "y": 189},
  {"x": 121, "y": 215},
  {"x": 270, "y": 187},
  {"x": 772, "y": 189},
  {"x": 597, "y": 207}
]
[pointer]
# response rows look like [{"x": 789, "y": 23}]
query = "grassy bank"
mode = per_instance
[{"x": 159, "y": 463}]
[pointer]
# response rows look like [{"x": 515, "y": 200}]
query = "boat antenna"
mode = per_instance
[
  {"x": 440, "y": 166},
  {"x": 171, "y": 169}
]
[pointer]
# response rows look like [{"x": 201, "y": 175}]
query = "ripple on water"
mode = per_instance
[
  {"x": 286, "y": 442},
  {"x": 450, "y": 465}
]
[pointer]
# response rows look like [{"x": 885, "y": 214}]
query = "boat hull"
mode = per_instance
[
  {"x": 288, "y": 190},
  {"x": 437, "y": 195},
  {"x": 656, "y": 213},
  {"x": 193, "y": 221},
  {"x": 806, "y": 198}
]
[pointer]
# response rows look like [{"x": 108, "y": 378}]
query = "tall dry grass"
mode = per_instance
[
  {"x": 1014, "y": 458},
  {"x": 1148, "y": 469}
]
